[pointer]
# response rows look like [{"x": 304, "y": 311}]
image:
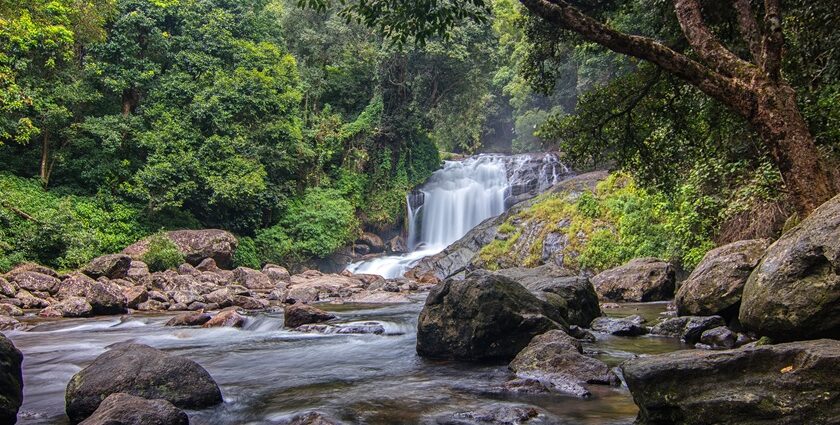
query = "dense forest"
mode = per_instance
[{"x": 297, "y": 125}]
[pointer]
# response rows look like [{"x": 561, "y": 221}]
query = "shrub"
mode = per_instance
[
  {"x": 246, "y": 254},
  {"x": 320, "y": 223},
  {"x": 162, "y": 254}
]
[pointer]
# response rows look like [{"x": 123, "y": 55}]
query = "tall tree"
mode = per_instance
[{"x": 750, "y": 85}]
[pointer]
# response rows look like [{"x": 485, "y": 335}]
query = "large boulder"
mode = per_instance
[
  {"x": 687, "y": 328},
  {"x": 34, "y": 281},
  {"x": 794, "y": 383},
  {"x": 372, "y": 241},
  {"x": 640, "y": 280},
  {"x": 716, "y": 284},
  {"x": 485, "y": 317},
  {"x": 557, "y": 359},
  {"x": 69, "y": 307},
  {"x": 7, "y": 289},
  {"x": 141, "y": 371},
  {"x": 104, "y": 296},
  {"x": 195, "y": 245},
  {"x": 252, "y": 279},
  {"x": 302, "y": 314},
  {"x": 227, "y": 318},
  {"x": 126, "y": 409},
  {"x": 113, "y": 266},
  {"x": 573, "y": 295},
  {"x": 794, "y": 292},
  {"x": 11, "y": 381},
  {"x": 623, "y": 326}
]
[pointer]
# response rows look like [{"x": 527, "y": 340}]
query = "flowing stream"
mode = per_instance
[
  {"x": 458, "y": 197},
  {"x": 267, "y": 373}
]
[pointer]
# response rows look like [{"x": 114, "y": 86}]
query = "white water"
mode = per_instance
[{"x": 457, "y": 198}]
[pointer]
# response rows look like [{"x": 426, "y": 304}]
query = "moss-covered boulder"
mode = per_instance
[
  {"x": 141, "y": 371},
  {"x": 794, "y": 383},
  {"x": 485, "y": 317},
  {"x": 794, "y": 292}
]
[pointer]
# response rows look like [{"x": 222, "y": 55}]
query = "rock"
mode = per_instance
[
  {"x": 582, "y": 334},
  {"x": 719, "y": 337},
  {"x": 251, "y": 279},
  {"x": 625, "y": 326},
  {"x": 11, "y": 381},
  {"x": 379, "y": 297},
  {"x": 361, "y": 250},
  {"x": 640, "y": 280},
  {"x": 494, "y": 414},
  {"x": 10, "y": 310},
  {"x": 278, "y": 275},
  {"x": 313, "y": 285},
  {"x": 573, "y": 295},
  {"x": 25, "y": 300},
  {"x": 374, "y": 242},
  {"x": 794, "y": 383},
  {"x": 32, "y": 267},
  {"x": 152, "y": 305},
  {"x": 113, "y": 266},
  {"x": 189, "y": 319},
  {"x": 70, "y": 307},
  {"x": 222, "y": 297},
  {"x": 126, "y": 409},
  {"x": 137, "y": 271},
  {"x": 687, "y": 328},
  {"x": 207, "y": 265},
  {"x": 794, "y": 292},
  {"x": 301, "y": 314},
  {"x": 716, "y": 284},
  {"x": 556, "y": 358},
  {"x": 8, "y": 323},
  {"x": 249, "y": 303},
  {"x": 134, "y": 296},
  {"x": 228, "y": 318},
  {"x": 397, "y": 245},
  {"x": 358, "y": 328},
  {"x": 523, "y": 386},
  {"x": 6, "y": 288},
  {"x": 485, "y": 317},
  {"x": 141, "y": 371},
  {"x": 104, "y": 296},
  {"x": 34, "y": 281},
  {"x": 311, "y": 418},
  {"x": 188, "y": 269},
  {"x": 195, "y": 245}
]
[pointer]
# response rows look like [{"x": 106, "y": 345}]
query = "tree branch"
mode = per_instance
[
  {"x": 774, "y": 39},
  {"x": 705, "y": 43},
  {"x": 748, "y": 26}
]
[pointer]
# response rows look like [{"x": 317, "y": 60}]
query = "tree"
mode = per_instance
[{"x": 751, "y": 85}]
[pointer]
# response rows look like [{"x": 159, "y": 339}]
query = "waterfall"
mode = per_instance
[{"x": 457, "y": 198}]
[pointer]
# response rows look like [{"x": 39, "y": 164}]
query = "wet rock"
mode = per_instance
[
  {"x": 228, "y": 318},
  {"x": 485, "y": 317},
  {"x": 8, "y": 323},
  {"x": 141, "y": 371},
  {"x": 301, "y": 314},
  {"x": 524, "y": 386},
  {"x": 719, "y": 337},
  {"x": 11, "y": 381},
  {"x": 252, "y": 279},
  {"x": 137, "y": 271},
  {"x": 113, "y": 266},
  {"x": 360, "y": 328},
  {"x": 495, "y": 414},
  {"x": 373, "y": 241},
  {"x": 573, "y": 295},
  {"x": 6, "y": 288},
  {"x": 794, "y": 292},
  {"x": 34, "y": 281},
  {"x": 10, "y": 310},
  {"x": 687, "y": 328},
  {"x": 379, "y": 297},
  {"x": 794, "y": 383},
  {"x": 126, "y": 409},
  {"x": 195, "y": 245},
  {"x": 311, "y": 418},
  {"x": 361, "y": 250},
  {"x": 69, "y": 307},
  {"x": 134, "y": 296},
  {"x": 716, "y": 284},
  {"x": 640, "y": 280},
  {"x": 582, "y": 334},
  {"x": 189, "y": 319},
  {"x": 556, "y": 358},
  {"x": 397, "y": 245},
  {"x": 625, "y": 326}
]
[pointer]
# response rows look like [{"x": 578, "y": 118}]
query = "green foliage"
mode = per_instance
[
  {"x": 246, "y": 254},
  {"x": 320, "y": 223},
  {"x": 162, "y": 254}
]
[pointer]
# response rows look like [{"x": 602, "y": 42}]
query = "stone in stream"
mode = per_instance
[
  {"x": 311, "y": 418},
  {"x": 141, "y": 371},
  {"x": 126, "y": 409},
  {"x": 69, "y": 307},
  {"x": 573, "y": 295},
  {"x": 8, "y": 323},
  {"x": 11, "y": 381},
  {"x": 374, "y": 242},
  {"x": 716, "y": 284},
  {"x": 625, "y": 326},
  {"x": 719, "y": 337},
  {"x": 189, "y": 319},
  {"x": 557, "y": 359},
  {"x": 227, "y": 318},
  {"x": 794, "y": 292},
  {"x": 794, "y": 383},
  {"x": 10, "y": 310},
  {"x": 485, "y": 317},
  {"x": 252, "y": 279},
  {"x": 687, "y": 328},
  {"x": 493, "y": 414},
  {"x": 302, "y": 314},
  {"x": 105, "y": 297},
  {"x": 640, "y": 280},
  {"x": 112, "y": 266},
  {"x": 374, "y": 328}
]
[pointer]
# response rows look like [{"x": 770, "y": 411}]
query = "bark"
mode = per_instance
[
  {"x": 755, "y": 91},
  {"x": 45, "y": 159},
  {"x": 130, "y": 99}
]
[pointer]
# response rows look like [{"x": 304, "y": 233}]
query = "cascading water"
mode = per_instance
[{"x": 457, "y": 198}]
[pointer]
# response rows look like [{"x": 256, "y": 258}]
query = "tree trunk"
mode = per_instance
[
  {"x": 130, "y": 99},
  {"x": 45, "y": 159}
]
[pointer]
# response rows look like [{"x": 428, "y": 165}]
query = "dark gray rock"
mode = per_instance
[
  {"x": 794, "y": 383},
  {"x": 11, "y": 381},
  {"x": 126, "y": 409},
  {"x": 640, "y": 280},
  {"x": 719, "y": 337},
  {"x": 485, "y": 317},
  {"x": 687, "y": 328},
  {"x": 494, "y": 414},
  {"x": 189, "y": 319},
  {"x": 302, "y": 314},
  {"x": 113, "y": 266},
  {"x": 34, "y": 281},
  {"x": 625, "y": 326},
  {"x": 141, "y": 371},
  {"x": 794, "y": 292}
]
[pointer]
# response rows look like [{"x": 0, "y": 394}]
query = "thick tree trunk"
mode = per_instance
[{"x": 130, "y": 99}]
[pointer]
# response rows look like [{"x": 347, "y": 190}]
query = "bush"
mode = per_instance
[
  {"x": 320, "y": 223},
  {"x": 246, "y": 254},
  {"x": 162, "y": 254}
]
